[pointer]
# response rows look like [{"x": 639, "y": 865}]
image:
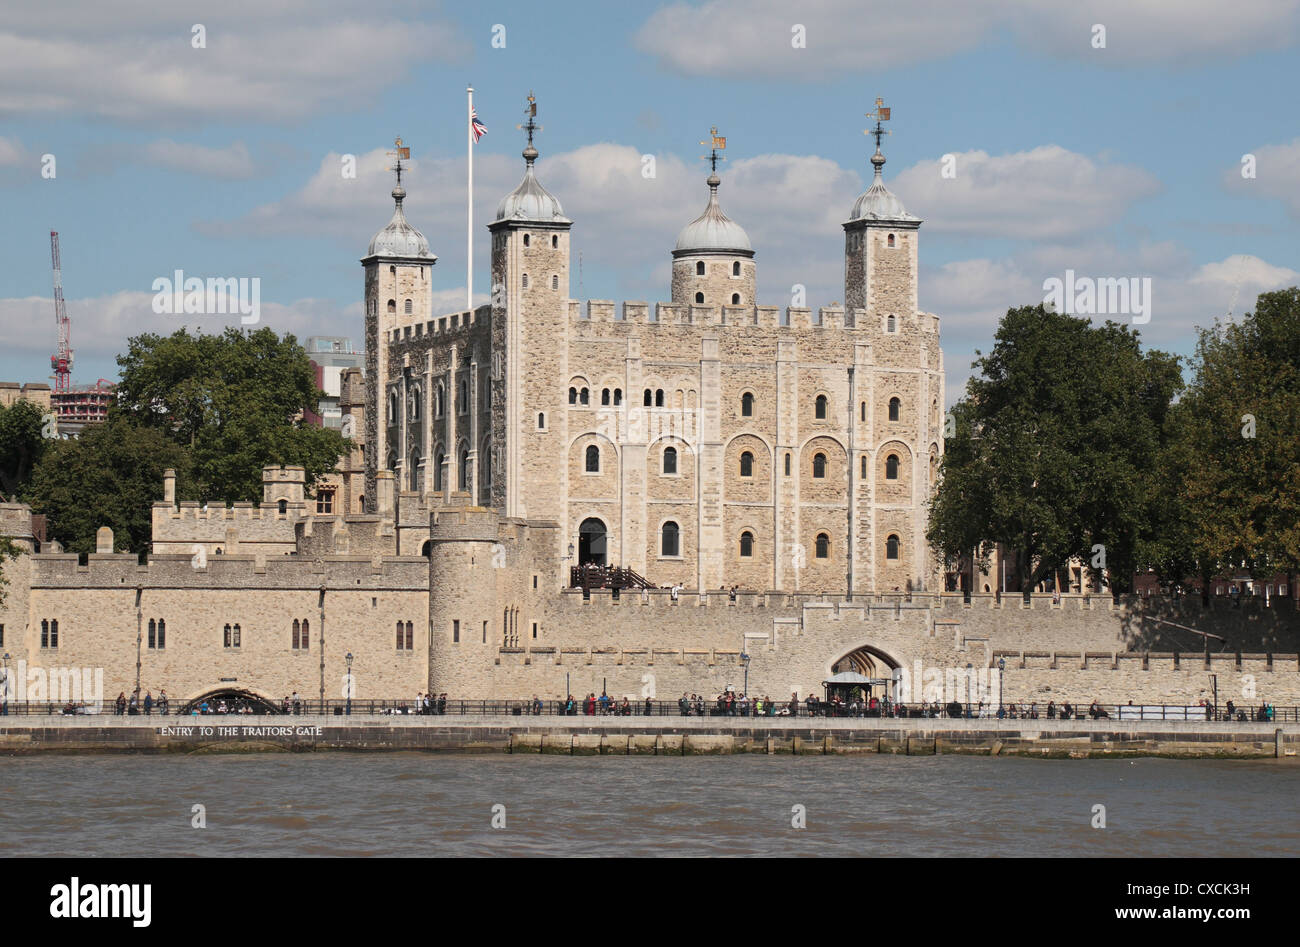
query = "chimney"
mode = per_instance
[{"x": 169, "y": 486}]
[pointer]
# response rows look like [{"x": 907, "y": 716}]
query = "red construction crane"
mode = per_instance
[{"x": 61, "y": 361}]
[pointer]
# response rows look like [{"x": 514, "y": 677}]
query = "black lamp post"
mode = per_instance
[
  {"x": 969, "y": 668},
  {"x": 348, "y": 660},
  {"x": 1002, "y": 666},
  {"x": 744, "y": 659},
  {"x": 4, "y": 694},
  {"x": 1214, "y": 679}
]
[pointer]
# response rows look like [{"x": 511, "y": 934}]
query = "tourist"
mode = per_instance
[
  {"x": 1033, "y": 710},
  {"x": 675, "y": 591},
  {"x": 133, "y": 707},
  {"x": 1051, "y": 710},
  {"x": 732, "y": 593},
  {"x": 537, "y": 706},
  {"x": 297, "y": 704},
  {"x": 684, "y": 706},
  {"x": 162, "y": 702},
  {"x": 649, "y": 707},
  {"x": 626, "y": 709},
  {"x": 148, "y": 703},
  {"x": 121, "y": 703}
]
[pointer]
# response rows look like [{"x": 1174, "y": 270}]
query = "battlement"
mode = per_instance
[
  {"x": 341, "y": 572},
  {"x": 834, "y": 318},
  {"x": 448, "y": 325},
  {"x": 464, "y": 524}
]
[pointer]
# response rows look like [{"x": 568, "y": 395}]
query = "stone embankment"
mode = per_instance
[{"x": 665, "y": 736}]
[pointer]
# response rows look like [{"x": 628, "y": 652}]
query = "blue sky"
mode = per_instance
[{"x": 1120, "y": 161}]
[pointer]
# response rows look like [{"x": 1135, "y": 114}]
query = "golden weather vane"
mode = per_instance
[
  {"x": 531, "y": 112},
  {"x": 399, "y": 154},
  {"x": 716, "y": 143},
  {"x": 881, "y": 114}
]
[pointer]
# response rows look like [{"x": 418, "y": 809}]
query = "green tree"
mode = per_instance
[
  {"x": 109, "y": 476},
  {"x": 1054, "y": 448},
  {"x": 235, "y": 400},
  {"x": 21, "y": 445},
  {"x": 8, "y": 550},
  {"x": 1234, "y": 458}
]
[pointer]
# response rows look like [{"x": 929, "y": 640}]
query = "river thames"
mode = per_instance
[{"x": 354, "y": 804}]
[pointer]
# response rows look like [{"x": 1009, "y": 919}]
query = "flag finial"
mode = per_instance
[
  {"x": 716, "y": 143},
  {"x": 881, "y": 114},
  {"x": 530, "y": 127},
  {"x": 402, "y": 151}
]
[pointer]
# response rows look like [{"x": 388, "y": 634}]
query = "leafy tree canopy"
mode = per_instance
[
  {"x": 1055, "y": 445},
  {"x": 22, "y": 426}
]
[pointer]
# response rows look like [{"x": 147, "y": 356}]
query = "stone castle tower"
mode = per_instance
[{"x": 705, "y": 441}]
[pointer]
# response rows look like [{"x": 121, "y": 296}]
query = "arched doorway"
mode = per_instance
[
  {"x": 875, "y": 668},
  {"x": 236, "y": 699},
  {"x": 591, "y": 542}
]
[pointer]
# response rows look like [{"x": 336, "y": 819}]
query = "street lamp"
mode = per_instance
[
  {"x": 348, "y": 660},
  {"x": 4, "y": 694},
  {"x": 744, "y": 659},
  {"x": 969, "y": 668},
  {"x": 1002, "y": 666},
  {"x": 1214, "y": 679}
]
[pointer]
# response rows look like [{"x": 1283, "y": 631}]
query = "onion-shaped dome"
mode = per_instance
[
  {"x": 713, "y": 231},
  {"x": 531, "y": 201},
  {"x": 399, "y": 238}
]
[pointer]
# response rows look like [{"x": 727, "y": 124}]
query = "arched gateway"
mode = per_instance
[
  {"x": 867, "y": 664},
  {"x": 236, "y": 700}
]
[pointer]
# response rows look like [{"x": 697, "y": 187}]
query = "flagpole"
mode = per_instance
[{"x": 469, "y": 202}]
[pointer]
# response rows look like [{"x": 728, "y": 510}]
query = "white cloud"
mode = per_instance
[
  {"x": 742, "y": 38},
  {"x": 1277, "y": 176},
  {"x": 262, "y": 62},
  {"x": 1045, "y": 193},
  {"x": 12, "y": 152}
]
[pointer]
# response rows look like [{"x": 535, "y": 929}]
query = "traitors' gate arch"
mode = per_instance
[{"x": 867, "y": 661}]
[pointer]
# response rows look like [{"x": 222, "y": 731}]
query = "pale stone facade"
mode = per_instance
[{"x": 786, "y": 452}]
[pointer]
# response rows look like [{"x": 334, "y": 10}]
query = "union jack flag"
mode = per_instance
[{"x": 476, "y": 128}]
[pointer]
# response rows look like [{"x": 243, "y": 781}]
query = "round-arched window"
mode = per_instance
[
  {"x": 747, "y": 405},
  {"x": 670, "y": 460},
  {"x": 821, "y": 408},
  {"x": 891, "y": 547},
  {"x": 670, "y": 542},
  {"x": 823, "y": 546},
  {"x": 747, "y": 464},
  {"x": 891, "y": 467},
  {"x": 746, "y": 544},
  {"x": 895, "y": 407},
  {"x": 819, "y": 466},
  {"x": 593, "y": 459}
]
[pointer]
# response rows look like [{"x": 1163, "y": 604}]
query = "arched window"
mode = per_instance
[
  {"x": 670, "y": 542},
  {"x": 283, "y": 507},
  {"x": 225, "y": 637},
  {"x": 526, "y": 239},
  {"x": 735, "y": 268},
  {"x": 584, "y": 396},
  {"x": 787, "y": 463},
  {"x": 891, "y": 467},
  {"x": 735, "y": 299},
  {"x": 555, "y": 240},
  {"x": 864, "y": 411},
  {"x": 618, "y": 396},
  {"x": 401, "y": 629},
  {"x": 891, "y": 547},
  {"x": 525, "y": 281},
  {"x": 819, "y": 466},
  {"x": 659, "y": 397},
  {"x": 699, "y": 268},
  {"x": 392, "y": 306},
  {"x": 573, "y": 396},
  {"x": 464, "y": 396},
  {"x": 441, "y": 406},
  {"x": 649, "y": 398},
  {"x": 699, "y": 298},
  {"x": 823, "y": 546},
  {"x": 746, "y": 544},
  {"x": 410, "y": 636},
  {"x": 864, "y": 466},
  {"x": 593, "y": 459},
  {"x": 895, "y": 406},
  {"x": 415, "y": 404},
  {"x": 604, "y": 396},
  {"x": 747, "y": 405},
  {"x": 464, "y": 470},
  {"x": 555, "y": 281},
  {"x": 890, "y": 241},
  {"x": 162, "y": 633},
  {"x": 297, "y": 635},
  {"x": 890, "y": 325},
  {"x": 541, "y": 421},
  {"x": 746, "y": 464},
  {"x": 392, "y": 407},
  {"x": 437, "y": 473},
  {"x": 153, "y": 633},
  {"x": 392, "y": 271},
  {"x": 670, "y": 460},
  {"x": 407, "y": 307},
  {"x": 821, "y": 408}
]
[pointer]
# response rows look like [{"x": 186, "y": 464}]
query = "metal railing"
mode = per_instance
[{"x": 666, "y": 708}]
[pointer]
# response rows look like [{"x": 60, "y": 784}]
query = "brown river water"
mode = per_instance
[{"x": 443, "y": 805}]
